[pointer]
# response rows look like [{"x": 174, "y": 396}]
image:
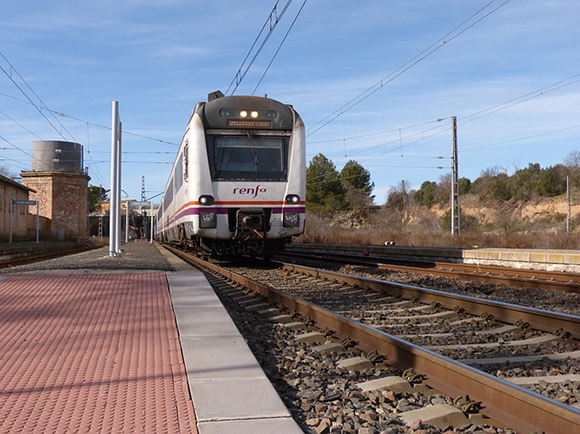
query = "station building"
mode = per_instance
[{"x": 12, "y": 190}]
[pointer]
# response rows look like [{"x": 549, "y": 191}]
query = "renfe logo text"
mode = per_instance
[{"x": 253, "y": 191}]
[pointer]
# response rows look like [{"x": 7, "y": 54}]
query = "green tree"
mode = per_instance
[
  {"x": 552, "y": 181},
  {"x": 324, "y": 191},
  {"x": 95, "y": 194},
  {"x": 464, "y": 185},
  {"x": 357, "y": 185},
  {"x": 426, "y": 194},
  {"x": 356, "y": 175},
  {"x": 525, "y": 182},
  {"x": 493, "y": 184}
]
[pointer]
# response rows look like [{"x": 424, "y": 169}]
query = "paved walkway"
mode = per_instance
[{"x": 91, "y": 353}]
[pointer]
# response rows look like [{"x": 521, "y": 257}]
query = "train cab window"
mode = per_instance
[{"x": 250, "y": 157}]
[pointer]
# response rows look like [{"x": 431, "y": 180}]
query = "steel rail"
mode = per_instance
[
  {"x": 514, "y": 406},
  {"x": 495, "y": 275},
  {"x": 537, "y": 318},
  {"x": 478, "y": 268}
]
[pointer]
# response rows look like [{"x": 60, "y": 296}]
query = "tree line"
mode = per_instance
[
  {"x": 328, "y": 189},
  {"x": 495, "y": 185}
]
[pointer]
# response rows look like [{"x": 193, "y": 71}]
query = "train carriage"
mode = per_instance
[{"x": 238, "y": 182}]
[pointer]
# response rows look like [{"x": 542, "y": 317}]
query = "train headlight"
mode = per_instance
[
  {"x": 254, "y": 114},
  {"x": 206, "y": 200},
  {"x": 243, "y": 114},
  {"x": 292, "y": 199}
]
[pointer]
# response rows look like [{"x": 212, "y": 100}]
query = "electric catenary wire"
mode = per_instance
[
  {"x": 450, "y": 36},
  {"x": 61, "y": 114},
  {"x": 279, "y": 47},
  {"x": 273, "y": 19},
  {"x": 27, "y": 97}
]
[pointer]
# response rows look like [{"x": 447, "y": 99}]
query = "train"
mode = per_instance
[{"x": 238, "y": 183}]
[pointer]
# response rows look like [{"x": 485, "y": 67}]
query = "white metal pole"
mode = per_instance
[
  {"x": 120, "y": 142},
  {"x": 114, "y": 209},
  {"x": 151, "y": 240}
]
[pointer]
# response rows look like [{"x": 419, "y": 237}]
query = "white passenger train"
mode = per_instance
[{"x": 239, "y": 179}]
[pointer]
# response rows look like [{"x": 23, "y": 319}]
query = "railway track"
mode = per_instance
[
  {"x": 456, "y": 345},
  {"x": 554, "y": 281},
  {"x": 32, "y": 258}
]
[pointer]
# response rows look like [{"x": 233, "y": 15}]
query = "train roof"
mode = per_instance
[{"x": 246, "y": 112}]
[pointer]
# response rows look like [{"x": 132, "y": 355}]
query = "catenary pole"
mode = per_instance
[
  {"x": 569, "y": 197},
  {"x": 454, "y": 182},
  {"x": 115, "y": 194}
]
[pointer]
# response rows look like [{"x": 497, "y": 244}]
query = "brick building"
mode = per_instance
[
  {"x": 60, "y": 187},
  {"x": 63, "y": 199}
]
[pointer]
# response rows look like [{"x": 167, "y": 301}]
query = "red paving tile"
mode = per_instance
[{"x": 91, "y": 353}]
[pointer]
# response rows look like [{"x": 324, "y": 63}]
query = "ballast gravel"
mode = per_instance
[{"x": 135, "y": 256}]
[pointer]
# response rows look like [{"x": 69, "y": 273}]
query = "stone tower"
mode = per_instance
[{"x": 61, "y": 187}]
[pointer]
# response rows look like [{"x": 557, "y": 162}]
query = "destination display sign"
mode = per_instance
[{"x": 249, "y": 123}]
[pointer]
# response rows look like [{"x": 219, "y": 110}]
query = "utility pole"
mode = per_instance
[
  {"x": 569, "y": 196},
  {"x": 454, "y": 181}
]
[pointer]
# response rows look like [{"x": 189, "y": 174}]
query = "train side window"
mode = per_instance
[
  {"x": 178, "y": 173},
  {"x": 185, "y": 161},
  {"x": 168, "y": 194}
]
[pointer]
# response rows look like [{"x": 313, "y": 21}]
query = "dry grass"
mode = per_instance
[{"x": 378, "y": 228}]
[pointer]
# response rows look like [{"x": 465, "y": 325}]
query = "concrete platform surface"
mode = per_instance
[{"x": 231, "y": 393}]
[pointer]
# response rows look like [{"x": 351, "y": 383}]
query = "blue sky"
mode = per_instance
[{"x": 159, "y": 58}]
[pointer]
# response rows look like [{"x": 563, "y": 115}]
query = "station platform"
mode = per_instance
[
  {"x": 548, "y": 260},
  {"x": 126, "y": 349}
]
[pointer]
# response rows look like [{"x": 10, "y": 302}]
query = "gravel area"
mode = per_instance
[
  {"x": 540, "y": 299},
  {"x": 138, "y": 256},
  {"x": 411, "y": 320},
  {"x": 325, "y": 399}
]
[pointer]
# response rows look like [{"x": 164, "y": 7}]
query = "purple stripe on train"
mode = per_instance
[{"x": 197, "y": 210}]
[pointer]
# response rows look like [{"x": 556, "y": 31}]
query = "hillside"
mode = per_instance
[{"x": 537, "y": 223}]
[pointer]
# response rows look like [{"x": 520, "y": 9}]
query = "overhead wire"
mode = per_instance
[
  {"x": 273, "y": 19},
  {"x": 31, "y": 102},
  {"x": 105, "y": 127},
  {"x": 472, "y": 117},
  {"x": 546, "y": 133},
  {"x": 36, "y": 95},
  {"x": 279, "y": 47},
  {"x": 440, "y": 43},
  {"x": 20, "y": 125}
]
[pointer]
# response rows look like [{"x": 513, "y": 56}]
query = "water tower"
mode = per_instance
[{"x": 61, "y": 187}]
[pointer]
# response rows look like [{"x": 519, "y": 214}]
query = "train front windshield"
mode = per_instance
[{"x": 250, "y": 158}]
